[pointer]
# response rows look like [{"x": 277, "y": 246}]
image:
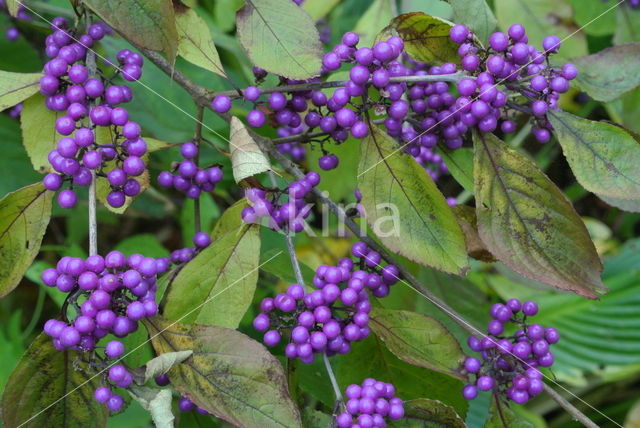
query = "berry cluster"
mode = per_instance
[
  {"x": 201, "y": 240},
  {"x": 111, "y": 294},
  {"x": 13, "y": 33},
  {"x": 89, "y": 104},
  {"x": 188, "y": 177},
  {"x": 508, "y": 363},
  {"x": 286, "y": 215},
  {"x": 521, "y": 68},
  {"x": 370, "y": 404},
  {"x": 328, "y": 319}
]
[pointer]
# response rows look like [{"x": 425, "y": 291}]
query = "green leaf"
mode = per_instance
[
  {"x": 628, "y": 26},
  {"x": 229, "y": 375},
  {"x": 14, "y": 158},
  {"x": 246, "y": 157},
  {"x": 373, "y": 20},
  {"x": 163, "y": 363},
  {"x": 466, "y": 217},
  {"x": 623, "y": 204},
  {"x": 426, "y": 38},
  {"x": 626, "y": 110},
  {"x": 47, "y": 389},
  {"x": 195, "y": 43},
  {"x": 599, "y": 339},
  {"x": 24, "y": 217},
  {"x": 224, "y": 275},
  {"x": 427, "y": 413},
  {"x": 592, "y": 17},
  {"x": 144, "y": 243},
  {"x": 280, "y": 37},
  {"x": 157, "y": 402},
  {"x": 349, "y": 154},
  {"x": 603, "y": 157},
  {"x": 528, "y": 224},
  {"x": 393, "y": 187},
  {"x": 371, "y": 358},
  {"x": 542, "y": 18},
  {"x": 608, "y": 74},
  {"x": 460, "y": 165},
  {"x": 148, "y": 23},
  {"x": 17, "y": 87},
  {"x": 418, "y": 340},
  {"x": 318, "y": 9},
  {"x": 475, "y": 14},
  {"x": 38, "y": 131}
]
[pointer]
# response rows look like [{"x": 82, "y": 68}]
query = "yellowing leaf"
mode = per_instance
[
  {"x": 527, "y": 223},
  {"x": 24, "y": 217},
  {"x": 195, "y": 43},
  {"x": 229, "y": 374},
  {"x": 39, "y": 391},
  {"x": 224, "y": 275},
  {"x": 426, "y": 38},
  {"x": 17, "y": 87},
  {"x": 39, "y": 135},
  {"x": 246, "y": 157}
]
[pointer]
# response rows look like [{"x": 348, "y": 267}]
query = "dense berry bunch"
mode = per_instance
[
  {"x": 370, "y": 405},
  {"x": 187, "y": 177},
  {"x": 92, "y": 111},
  {"x": 13, "y": 33},
  {"x": 509, "y": 362},
  {"x": 328, "y": 319},
  {"x": 284, "y": 210},
  {"x": 111, "y": 294},
  {"x": 521, "y": 68}
]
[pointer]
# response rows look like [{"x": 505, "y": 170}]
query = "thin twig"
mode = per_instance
[
  {"x": 93, "y": 223},
  {"x": 573, "y": 411},
  {"x": 332, "y": 378},
  {"x": 197, "y": 138}
]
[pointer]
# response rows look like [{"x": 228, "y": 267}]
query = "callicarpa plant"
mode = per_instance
[{"x": 277, "y": 213}]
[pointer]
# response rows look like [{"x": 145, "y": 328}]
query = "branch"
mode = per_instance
[
  {"x": 93, "y": 223},
  {"x": 200, "y": 95},
  {"x": 196, "y": 140},
  {"x": 573, "y": 411}
]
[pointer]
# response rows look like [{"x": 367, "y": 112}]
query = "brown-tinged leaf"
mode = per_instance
[
  {"x": 47, "y": 389},
  {"x": 247, "y": 159},
  {"x": 527, "y": 223},
  {"x": 427, "y": 413},
  {"x": 229, "y": 374},
  {"x": 426, "y": 38},
  {"x": 148, "y": 23},
  {"x": 466, "y": 217}
]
